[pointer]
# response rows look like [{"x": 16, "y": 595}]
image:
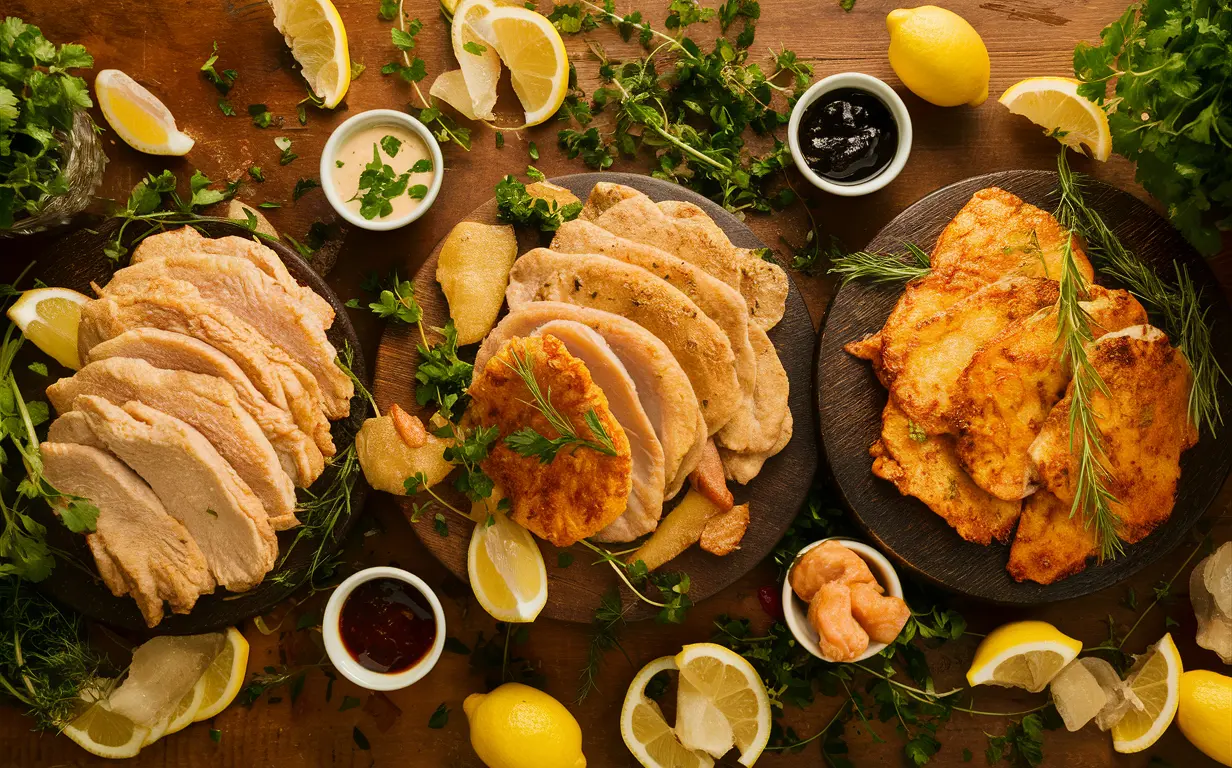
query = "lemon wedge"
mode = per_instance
[
  {"x": 317, "y": 38},
  {"x": 185, "y": 712},
  {"x": 506, "y": 570},
  {"x": 49, "y": 318},
  {"x": 532, "y": 49},
  {"x": 1054, "y": 104},
  {"x": 138, "y": 117},
  {"x": 645, "y": 731},
  {"x": 1024, "y": 654},
  {"x": 714, "y": 676},
  {"x": 224, "y": 677},
  {"x": 102, "y": 732},
  {"x": 450, "y": 87},
  {"x": 477, "y": 59},
  {"x": 1155, "y": 679}
]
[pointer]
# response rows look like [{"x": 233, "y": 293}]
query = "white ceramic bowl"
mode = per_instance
[
  {"x": 888, "y": 97},
  {"x": 346, "y": 664},
  {"x": 365, "y": 120},
  {"x": 795, "y": 610}
]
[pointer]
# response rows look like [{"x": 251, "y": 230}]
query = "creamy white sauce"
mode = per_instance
[{"x": 355, "y": 154}]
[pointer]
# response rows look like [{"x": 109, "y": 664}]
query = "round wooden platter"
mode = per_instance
[
  {"x": 850, "y": 401},
  {"x": 77, "y": 260},
  {"x": 574, "y": 591}
]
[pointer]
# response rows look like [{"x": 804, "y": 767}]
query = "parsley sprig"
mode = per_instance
[
  {"x": 527, "y": 441},
  {"x": 517, "y": 206},
  {"x": 414, "y": 70}
]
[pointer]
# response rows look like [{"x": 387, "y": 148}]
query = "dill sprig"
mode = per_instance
[
  {"x": 528, "y": 442},
  {"x": 608, "y": 622},
  {"x": 880, "y": 267},
  {"x": 319, "y": 515},
  {"x": 1177, "y": 307},
  {"x": 1092, "y": 499}
]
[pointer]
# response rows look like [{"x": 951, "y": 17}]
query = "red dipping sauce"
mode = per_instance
[{"x": 387, "y": 625}]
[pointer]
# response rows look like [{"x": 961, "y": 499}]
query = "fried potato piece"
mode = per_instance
[
  {"x": 1050, "y": 543},
  {"x": 928, "y": 470},
  {"x": 944, "y": 345},
  {"x": 388, "y": 461},
  {"x": 1143, "y": 420},
  {"x": 473, "y": 270},
  {"x": 708, "y": 480},
  {"x": 1004, "y": 395},
  {"x": 677, "y": 532},
  {"x": 724, "y": 532},
  {"x": 581, "y": 491},
  {"x": 549, "y": 191}
]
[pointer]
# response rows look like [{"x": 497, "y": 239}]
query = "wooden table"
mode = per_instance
[{"x": 163, "y": 44}]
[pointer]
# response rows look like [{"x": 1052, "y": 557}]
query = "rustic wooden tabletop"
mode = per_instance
[{"x": 162, "y": 46}]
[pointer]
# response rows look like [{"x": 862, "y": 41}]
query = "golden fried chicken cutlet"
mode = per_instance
[
  {"x": 581, "y": 491},
  {"x": 926, "y": 467},
  {"x": 1144, "y": 423},
  {"x": 1050, "y": 543},
  {"x": 1011, "y": 384}
]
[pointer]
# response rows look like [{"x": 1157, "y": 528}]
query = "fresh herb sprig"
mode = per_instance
[
  {"x": 528, "y": 442},
  {"x": 223, "y": 80},
  {"x": 517, "y": 206},
  {"x": 378, "y": 187},
  {"x": 606, "y": 627},
  {"x": 414, "y": 70},
  {"x": 881, "y": 267}
]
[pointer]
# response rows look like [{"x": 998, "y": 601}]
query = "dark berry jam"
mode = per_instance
[{"x": 848, "y": 135}]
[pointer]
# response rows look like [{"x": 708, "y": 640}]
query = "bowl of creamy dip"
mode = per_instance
[{"x": 381, "y": 169}]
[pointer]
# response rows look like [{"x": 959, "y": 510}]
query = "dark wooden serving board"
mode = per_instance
[
  {"x": 775, "y": 495},
  {"x": 850, "y": 401},
  {"x": 77, "y": 260}
]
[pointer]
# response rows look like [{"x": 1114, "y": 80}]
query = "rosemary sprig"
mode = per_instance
[
  {"x": 1177, "y": 307},
  {"x": 528, "y": 442},
  {"x": 881, "y": 267}
]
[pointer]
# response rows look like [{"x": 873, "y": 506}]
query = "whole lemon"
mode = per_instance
[
  {"x": 516, "y": 726},
  {"x": 938, "y": 56},
  {"x": 1204, "y": 713}
]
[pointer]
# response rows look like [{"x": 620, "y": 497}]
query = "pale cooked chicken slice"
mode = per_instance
[
  {"x": 1051, "y": 543},
  {"x": 1012, "y": 383},
  {"x": 140, "y": 549},
  {"x": 743, "y": 467},
  {"x": 758, "y": 426},
  {"x": 721, "y": 303},
  {"x": 1143, "y": 422},
  {"x": 195, "y": 485},
  {"x": 944, "y": 345},
  {"x": 188, "y": 240},
  {"x": 662, "y": 386},
  {"x": 609, "y": 374},
  {"x": 299, "y": 456},
  {"x": 624, "y": 289},
  {"x": 206, "y": 403},
  {"x": 255, "y": 297},
  {"x": 174, "y": 305},
  {"x": 926, "y": 467}
]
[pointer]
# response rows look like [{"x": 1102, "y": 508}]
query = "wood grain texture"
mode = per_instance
[
  {"x": 774, "y": 495},
  {"x": 851, "y": 399},
  {"x": 77, "y": 260}
]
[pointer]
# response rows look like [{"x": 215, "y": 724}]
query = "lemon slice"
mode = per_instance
[
  {"x": 317, "y": 38},
  {"x": 102, "y": 732},
  {"x": 506, "y": 570},
  {"x": 1155, "y": 680},
  {"x": 450, "y": 87},
  {"x": 156, "y": 731},
  {"x": 1054, "y": 104},
  {"x": 480, "y": 66},
  {"x": 532, "y": 49},
  {"x": 138, "y": 117},
  {"x": 224, "y": 677},
  {"x": 731, "y": 684},
  {"x": 646, "y": 733},
  {"x": 49, "y": 318},
  {"x": 1024, "y": 654},
  {"x": 186, "y": 711}
]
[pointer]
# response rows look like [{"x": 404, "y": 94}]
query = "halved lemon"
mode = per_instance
[
  {"x": 1024, "y": 654},
  {"x": 1054, "y": 104},
  {"x": 477, "y": 58},
  {"x": 224, "y": 677},
  {"x": 506, "y": 570},
  {"x": 532, "y": 49},
  {"x": 734, "y": 688},
  {"x": 317, "y": 38},
  {"x": 1155, "y": 680},
  {"x": 645, "y": 731},
  {"x": 102, "y": 732},
  {"x": 49, "y": 318},
  {"x": 138, "y": 117}
]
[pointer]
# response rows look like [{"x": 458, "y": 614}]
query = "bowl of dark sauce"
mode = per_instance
[
  {"x": 849, "y": 134},
  {"x": 384, "y": 628}
]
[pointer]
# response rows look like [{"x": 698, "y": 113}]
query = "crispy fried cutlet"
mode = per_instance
[
  {"x": 1004, "y": 395},
  {"x": 1050, "y": 543},
  {"x": 1144, "y": 423},
  {"x": 581, "y": 491},
  {"x": 925, "y": 466}
]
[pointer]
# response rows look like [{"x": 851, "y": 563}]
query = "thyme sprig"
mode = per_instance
[
  {"x": 528, "y": 442},
  {"x": 875, "y": 267}
]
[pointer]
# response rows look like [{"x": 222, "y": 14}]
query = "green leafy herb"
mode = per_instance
[
  {"x": 500, "y": 140},
  {"x": 221, "y": 80},
  {"x": 225, "y": 107},
  {"x": 534, "y": 151},
  {"x": 378, "y": 186},
  {"x": 303, "y": 187},
  {"x": 474, "y": 48},
  {"x": 215, "y": 735},
  {"x": 916, "y": 432},
  {"x": 413, "y": 70},
  {"x": 880, "y": 267},
  {"x": 391, "y": 145},
  {"x": 357, "y": 69},
  {"x": 284, "y": 146},
  {"x": 260, "y": 115},
  {"x": 564, "y": 559},
  {"x": 517, "y": 206},
  {"x": 269, "y": 205},
  {"x": 528, "y": 442},
  {"x": 608, "y": 622},
  {"x": 257, "y": 174},
  {"x": 534, "y": 174},
  {"x": 439, "y": 718}
]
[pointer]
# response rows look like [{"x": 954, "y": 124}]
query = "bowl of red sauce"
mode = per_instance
[{"x": 384, "y": 628}]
